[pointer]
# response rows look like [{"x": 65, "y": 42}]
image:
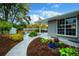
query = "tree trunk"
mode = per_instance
[{"x": 6, "y": 15}]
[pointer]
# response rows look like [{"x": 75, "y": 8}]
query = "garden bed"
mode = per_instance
[
  {"x": 6, "y": 45},
  {"x": 36, "y": 48}
]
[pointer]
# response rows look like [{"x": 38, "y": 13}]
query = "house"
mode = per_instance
[{"x": 65, "y": 27}]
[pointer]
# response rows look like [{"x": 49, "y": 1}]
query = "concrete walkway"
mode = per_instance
[{"x": 21, "y": 48}]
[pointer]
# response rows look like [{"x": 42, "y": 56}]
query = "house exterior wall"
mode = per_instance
[
  {"x": 52, "y": 31},
  {"x": 52, "y": 28}
]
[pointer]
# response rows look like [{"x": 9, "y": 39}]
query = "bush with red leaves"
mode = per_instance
[{"x": 56, "y": 40}]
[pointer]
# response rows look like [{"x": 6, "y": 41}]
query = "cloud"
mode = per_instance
[
  {"x": 45, "y": 12},
  {"x": 35, "y": 17},
  {"x": 35, "y": 14},
  {"x": 49, "y": 13},
  {"x": 56, "y": 6}
]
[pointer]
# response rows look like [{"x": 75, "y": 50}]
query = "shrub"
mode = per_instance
[
  {"x": 16, "y": 37},
  {"x": 68, "y": 52},
  {"x": 5, "y": 26},
  {"x": 32, "y": 34},
  {"x": 15, "y": 25},
  {"x": 19, "y": 27},
  {"x": 56, "y": 40},
  {"x": 44, "y": 41}
]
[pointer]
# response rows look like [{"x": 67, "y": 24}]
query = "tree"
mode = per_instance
[
  {"x": 40, "y": 18},
  {"x": 40, "y": 25},
  {"x": 12, "y": 10},
  {"x": 28, "y": 19}
]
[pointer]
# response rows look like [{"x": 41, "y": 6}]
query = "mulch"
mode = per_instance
[
  {"x": 6, "y": 45},
  {"x": 36, "y": 48}
]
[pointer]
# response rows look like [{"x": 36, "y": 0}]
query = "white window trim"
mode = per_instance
[{"x": 64, "y": 35}]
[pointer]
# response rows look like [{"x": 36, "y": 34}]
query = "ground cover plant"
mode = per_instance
[
  {"x": 44, "y": 40},
  {"x": 68, "y": 52}
]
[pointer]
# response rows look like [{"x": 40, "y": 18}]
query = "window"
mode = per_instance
[
  {"x": 61, "y": 26},
  {"x": 67, "y": 26}
]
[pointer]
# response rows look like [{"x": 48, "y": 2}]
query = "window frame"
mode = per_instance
[{"x": 74, "y": 36}]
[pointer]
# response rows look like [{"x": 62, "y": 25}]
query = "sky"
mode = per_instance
[{"x": 47, "y": 10}]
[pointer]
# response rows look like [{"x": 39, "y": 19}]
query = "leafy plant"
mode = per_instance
[
  {"x": 32, "y": 34},
  {"x": 5, "y": 26},
  {"x": 44, "y": 41},
  {"x": 16, "y": 37},
  {"x": 68, "y": 52}
]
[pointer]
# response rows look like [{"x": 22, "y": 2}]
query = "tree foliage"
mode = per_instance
[{"x": 13, "y": 10}]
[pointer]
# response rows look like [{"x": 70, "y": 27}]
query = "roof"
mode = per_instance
[
  {"x": 66, "y": 15},
  {"x": 42, "y": 21},
  {"x": 62, "y": 16}
]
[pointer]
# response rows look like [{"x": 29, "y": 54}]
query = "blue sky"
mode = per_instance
[{"x": 46, "y": 10}]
